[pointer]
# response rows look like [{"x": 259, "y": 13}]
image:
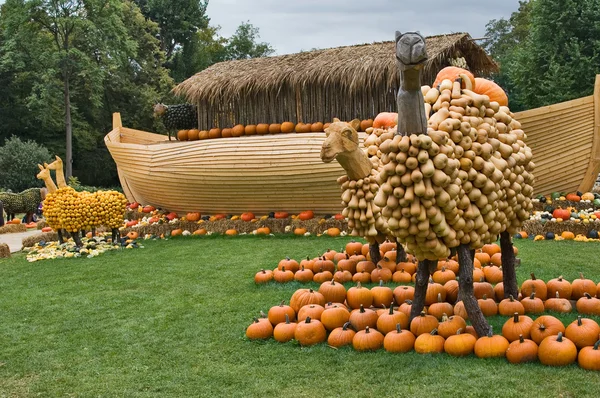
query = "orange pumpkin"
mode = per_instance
[
  {"x": 573, "y": 197},
  {"x": 333, "y": 231},
  {"x": 46, "y": 229},
  {"x": 193, "y": 135},
  {"x": 262, "y": 128},
  {"x": 452, "y": 73},
  {"x": 306, "y": 215},
  {"x": 203, "y": 135},
  {"x": 250, "y": 129},
  {"x": 226, "y": 133},
  {"x": 131, "y": 223},
  {"x": 237, "y": 130},
  {"x": 365, "y": 124},
  {"x": 299, "y": 231},
  {"x": 281, "y": 214},
  {"x": 275, "y": 128},
  {"x": 492, "y": 90},
  {"x": 287, "y": 127},
  {"x": 132, "y": 235},
  {"x": 192, "y": 216},
  {"x": 302, "y": 128},
  {"x": 214, "y": 133},
  {"x": 316, "y": 127},
  {"x": 263, "y": 231},
  {"x": 201, "y": 231},
  {"x": 385, "y": 120},
  {"x": 231, "y": 232},
  {"x": 182, "y": 135},
  {"x": 249, "y": 216},
  {"x": 176, "y": 232}
]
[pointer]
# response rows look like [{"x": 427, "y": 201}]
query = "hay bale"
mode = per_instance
[
  {"x": 315, "y": 226},
  {"x": 12, "y": 228},
  {"x": 42, "y": 224},
  {"x": 538, "y": 206},
  {"x": 37, "y": 238},
  {"x": 535, "y": 227},
  {"x": 4, "y": 250}
]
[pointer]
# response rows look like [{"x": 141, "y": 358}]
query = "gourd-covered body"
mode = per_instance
[
  {"x": 464, "y": 182},
  {"x": 71, "y": 210},
  {"x": 23, "y": 202},
  {"x": 178, "y": 117}
]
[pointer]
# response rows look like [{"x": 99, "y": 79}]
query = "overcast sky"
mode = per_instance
[{"x": 294, "y": 25}]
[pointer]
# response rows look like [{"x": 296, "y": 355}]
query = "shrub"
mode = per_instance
[{"x": 18, "y": 163}]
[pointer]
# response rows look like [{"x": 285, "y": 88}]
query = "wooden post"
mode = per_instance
[
  {"x": 424, "y": 270},
  {"x": 509, "y": 275},
  {"x": 591, "y": 174},
  {"x": 400, "y": 253},
  {"x": 1, "y": 214},
  {"x": 117, "y": 121},
  {"x": 465, "y": 286}
]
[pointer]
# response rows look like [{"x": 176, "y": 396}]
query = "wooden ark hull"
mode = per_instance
[
  {"x": 285, "y": 172},
  {"x": 251, "y": 173}
]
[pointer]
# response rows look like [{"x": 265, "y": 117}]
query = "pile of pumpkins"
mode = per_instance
[
  {"x": 371, "y": 319},
  {"x": 260, "y": 129},
  {"x": 353, "y": 264}
]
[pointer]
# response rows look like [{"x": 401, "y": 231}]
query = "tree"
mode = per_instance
[
  {"x": 243, "y": 45},
  {"x": 114, "y": 63},
  {"x": 18, "y": 164},
  {"x": 178, "y": 21},
  {"x": 548, "y": 51}
]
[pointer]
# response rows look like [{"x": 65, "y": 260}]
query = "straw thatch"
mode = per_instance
[
  {"x": 344, "y": 82},
  {"x": 4, "y": 250}
]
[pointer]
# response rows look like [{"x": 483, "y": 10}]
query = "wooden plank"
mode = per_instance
[
  {"x": 553, "y": 107},
  {"x": 593, "y": 169}
]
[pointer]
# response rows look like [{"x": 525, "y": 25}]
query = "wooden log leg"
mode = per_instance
[
  {"x": 374, "y": 252},
  {"x": 1, "y": 214},
  {"x": 77, "y": 238},
  {"x": 93, "y": 232},
  {"x": 61, "y": 238},
  {"x": 116, "y": 235},
  {"x": 465, "y": 286},
  {"x": 400, "y": 253},
  {"x": 509, "y": 275},
  {"x": 418, "y": 302}
]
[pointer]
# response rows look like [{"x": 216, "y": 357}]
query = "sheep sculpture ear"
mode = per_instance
[
  {"x": 355, "y": 124},
  {"x": 336, "y": 120}
]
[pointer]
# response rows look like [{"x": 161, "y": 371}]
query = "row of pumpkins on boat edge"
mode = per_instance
[{"x": 264, "y": 129}]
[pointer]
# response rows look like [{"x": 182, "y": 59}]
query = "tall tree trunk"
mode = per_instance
[{"x": 69, "y": 127}]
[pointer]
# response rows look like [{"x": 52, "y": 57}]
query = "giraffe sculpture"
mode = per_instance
[{"x": 57, "y": 166}]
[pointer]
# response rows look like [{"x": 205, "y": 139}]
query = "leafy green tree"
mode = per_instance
[
  {"x": 113, "y": 64},
  {"x": 548, "y": 51},
  {"x": 243, "y": 45},
  {"x": 18, "y": 164},
  {"x": 178, "y": 21}
]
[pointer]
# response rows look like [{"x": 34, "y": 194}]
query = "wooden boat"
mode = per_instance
[
  {"x": 285, "y": 173},
  {"x": 250, "y": 173}
]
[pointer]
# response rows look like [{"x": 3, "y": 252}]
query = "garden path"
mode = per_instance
[{"x": 15, "y": 240}]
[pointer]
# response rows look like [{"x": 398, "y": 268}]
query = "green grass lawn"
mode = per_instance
[{"x": 169, "y": 321}]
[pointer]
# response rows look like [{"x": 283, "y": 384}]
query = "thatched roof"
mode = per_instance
[{"x": 349, "y": 68}]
